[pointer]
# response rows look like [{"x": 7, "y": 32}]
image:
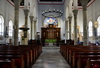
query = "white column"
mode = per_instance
[
  {"x": 85, "y": 28},
  {"x": 75, "y": 11},
  {"x": 26, "y": 4},
  {"x": 16, "y": 21},
  {"x": 70, "y": 8},
  {"x": 31, "y": 19},
  {"x": 31, "y": 8},
  {"x": 76, "y": 4},
  {"x": 75, "y": 27},
  {"x": 70, "y": 19},
  {"x": 34, "y": 29},
  {"x": 66, "y": 29}
]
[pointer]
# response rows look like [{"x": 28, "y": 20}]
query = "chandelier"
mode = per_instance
[{"x": 52, "y": 12}]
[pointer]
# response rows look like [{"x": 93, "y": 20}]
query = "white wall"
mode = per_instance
[
  {"x": 93, "y": 13},
  {"x": 7, "y": 11}
]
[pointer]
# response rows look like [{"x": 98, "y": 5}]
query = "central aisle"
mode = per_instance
[{"x": 50, "y": 58}]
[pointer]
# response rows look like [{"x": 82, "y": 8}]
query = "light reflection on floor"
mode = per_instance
[{"x": 50, "y": 58}]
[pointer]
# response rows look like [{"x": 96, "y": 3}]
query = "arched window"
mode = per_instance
[
  {"x": 90, "y": 28},
  {"x": 10, "y": 28},
  {"x": 1, "y": 25},
  {"x": 98, "y": 29}
]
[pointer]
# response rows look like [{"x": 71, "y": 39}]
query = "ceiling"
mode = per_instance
[
  {"x": 47, "y": 1},
  {"x": 50, "y": 0}
]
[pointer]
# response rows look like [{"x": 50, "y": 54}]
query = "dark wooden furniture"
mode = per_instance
[
  {"x": 26, "y": 55},
  {"x": 7, "y": 63},
  {"x": 77, "y": 55},
  {"x": 50, "y": 33}
]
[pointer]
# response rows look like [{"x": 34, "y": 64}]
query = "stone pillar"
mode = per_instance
[
  {"x": 66, "y": 29},
  {"x": 70, "y": 18},
  {"x": 16, "y": 21},
  {"x": 25, "y": 29},
  {"x": 95, "y": 35},
  {"x": 31, "y": 19},
  {"x": 75, "y": 26},
  {"x": 26, "y": 11},
  {"x": 34, "y": 29},
  {"x": 85, "y": 28}
]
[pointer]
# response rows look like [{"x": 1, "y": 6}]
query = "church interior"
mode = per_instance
[{"x": 49, "y": 34}]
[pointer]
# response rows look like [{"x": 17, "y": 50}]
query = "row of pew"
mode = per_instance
[
  {"x": 79, "y": 56},
  {"x": 22, "y": 56}
]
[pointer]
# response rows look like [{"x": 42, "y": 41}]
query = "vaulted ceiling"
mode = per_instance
[{"x": 22, "y": 3}]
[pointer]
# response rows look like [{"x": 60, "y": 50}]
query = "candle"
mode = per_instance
[
  {"x": 26, "y": 4},
  {"x": 75, "y": 4}
]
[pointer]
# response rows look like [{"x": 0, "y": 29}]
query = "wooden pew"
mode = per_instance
[
  {"x": 27, "y": 49},
  {"x": 10, "y": 57},
  {"x": 17, "y": 49},
  {"x": 93, "y": 63},
  {"x": 81, "y": 64},
  {"x": 71, "y": 50},
  {"x": 7, "y": 63}
]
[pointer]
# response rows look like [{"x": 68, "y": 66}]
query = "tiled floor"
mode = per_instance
[{"x": 50, "y": 58}]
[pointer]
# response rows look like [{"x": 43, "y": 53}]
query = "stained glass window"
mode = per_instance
[
  {"x": 50, "y": 20},
  {"x": 1, "y": 25}
]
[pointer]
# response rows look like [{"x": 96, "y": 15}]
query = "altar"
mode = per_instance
[
  {"x": 50, "y": 41},
  {"x": 50, "y": 34}
]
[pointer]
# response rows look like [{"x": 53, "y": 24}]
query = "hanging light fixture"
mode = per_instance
[{"x": 52, "y": 12}]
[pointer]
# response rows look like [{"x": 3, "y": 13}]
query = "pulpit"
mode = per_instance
[{"x": 50, "y": 32}]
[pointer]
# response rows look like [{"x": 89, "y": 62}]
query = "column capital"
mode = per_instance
[
  {"x": 31, "y": 18},
  {"x": 84, "y": 4},
  {"x": 70, "y": 18},
  {"x": 75, "y": 12},
  {"x": 17, "y": 2},
  {"x": 66, "y": 21},
  {"x": 26, "y": 11},
  {"x": 35, "y": 19}
]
